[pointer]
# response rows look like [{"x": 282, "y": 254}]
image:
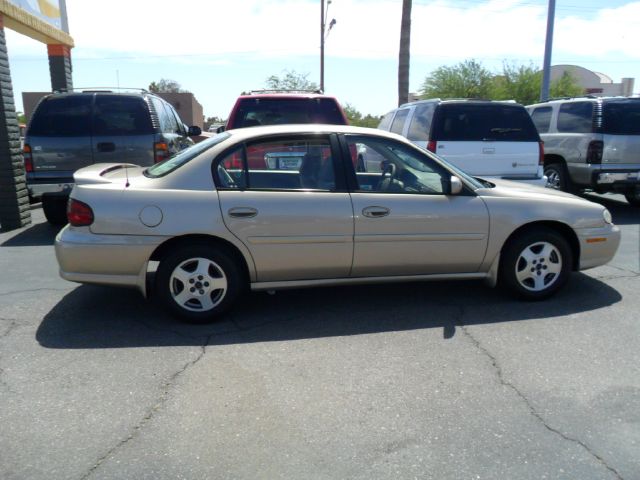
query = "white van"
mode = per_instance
[{"x": 483, "y": 138}]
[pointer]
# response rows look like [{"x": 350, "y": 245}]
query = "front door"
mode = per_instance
[
  {"x": 293, "y": 214},
  {"x": 406, "y": 223}
]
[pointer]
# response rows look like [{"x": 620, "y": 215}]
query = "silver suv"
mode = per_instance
[
  {"x": 69, "y": 131},
  {"x": 591, "y": 143}
]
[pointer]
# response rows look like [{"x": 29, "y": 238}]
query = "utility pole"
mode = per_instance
[
  {"x": 322, "y": 46},
  {"x": 546, "y": 69}
]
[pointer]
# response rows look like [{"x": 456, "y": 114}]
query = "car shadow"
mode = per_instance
[
  {"x": 101, "y": 317},
  {"x": 38, "y": 235},
  {"x": 621, "y": 211}
]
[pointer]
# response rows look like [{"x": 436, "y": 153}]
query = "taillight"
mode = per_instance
[
  {"x": 28, "y": 158},
  {"x": 594, "y": 151},
  {"x": 541, "y": 152},
  {"x": 79, "y": 213},
  {"x": 432, "y": 145},
  {"x": 160, "y": 152}
]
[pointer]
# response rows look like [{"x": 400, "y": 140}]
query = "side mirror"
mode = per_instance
[
  {"x": 194, "y": 131},
  {"x": 456, "y": 185}
]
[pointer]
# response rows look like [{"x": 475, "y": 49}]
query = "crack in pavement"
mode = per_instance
[
  {"x": 13, "y": 324},
  {"x": 500, "y": 374},
  {"x": 31, "y": 290},
  {"x": 164, "y": 396}
]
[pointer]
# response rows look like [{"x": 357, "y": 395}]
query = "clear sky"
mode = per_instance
[{"x": 216, "y": 49}]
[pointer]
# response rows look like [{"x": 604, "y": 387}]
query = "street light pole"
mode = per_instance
[
  {"x": 322, "y": 46},
  {"x": 546, "y": 69}
]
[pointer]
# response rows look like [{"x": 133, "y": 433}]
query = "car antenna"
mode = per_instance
[{"x": 126, "y": 174}]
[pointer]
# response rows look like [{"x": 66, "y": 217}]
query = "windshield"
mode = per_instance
[{"x": 185, "y": 156}]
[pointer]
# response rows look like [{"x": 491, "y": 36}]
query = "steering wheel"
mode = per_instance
[{"x": 389, "y": 171}]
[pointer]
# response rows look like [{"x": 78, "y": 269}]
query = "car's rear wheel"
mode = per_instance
[
  {"x": 198, "y": 282},
  {"x": 536, "y": 264},
  {"x": 55, "y": 209},
  {"x": 557, "y": 177},
  {"x": 633, "y": 198}
]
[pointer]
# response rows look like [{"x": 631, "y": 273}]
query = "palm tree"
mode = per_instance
[{"x": 403, "y": 60}]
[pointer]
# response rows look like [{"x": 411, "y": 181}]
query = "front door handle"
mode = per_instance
[
  {"x": 375, "y": 212},
  {"x": 243, "y": 212}
]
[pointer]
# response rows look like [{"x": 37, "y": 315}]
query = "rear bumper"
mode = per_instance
[
  {"x": 606, "y": 177},
  {"x": 119, "y": 260},
  {"x": 597, "y": 245},
  {"x": 36, "y": 190}
]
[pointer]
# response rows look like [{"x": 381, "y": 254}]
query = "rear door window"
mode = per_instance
[
  {"x": 542, "y": 118},
  {"x": 621, "y": 117},
  {"x": 64, "y": 116},
  {"x": 576, "y": 117},
  {"x": 397, "y": 126},
  {"x": 121, "y": 115},
  {"x": 278, "y": 111},
  {"x": 480, "y": 122}
]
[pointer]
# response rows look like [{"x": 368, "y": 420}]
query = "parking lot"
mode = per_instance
[{"x": 431, "y": 381}]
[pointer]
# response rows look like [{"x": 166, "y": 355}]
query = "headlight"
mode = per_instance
[{"x": 606, "y": 214}]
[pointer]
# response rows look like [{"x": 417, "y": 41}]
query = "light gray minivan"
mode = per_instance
[{"x": 69, "y": 131}]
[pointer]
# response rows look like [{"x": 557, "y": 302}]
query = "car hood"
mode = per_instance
[{"x": 511, "y": 189}]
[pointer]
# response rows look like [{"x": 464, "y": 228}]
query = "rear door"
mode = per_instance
[
  {"x": 60, "y": 136},
  {"x": 487, "y": 139},
  {"x": 122, "y": 130},
  {"x": 297, "y": 222}
]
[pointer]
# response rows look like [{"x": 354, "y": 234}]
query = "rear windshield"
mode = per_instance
[
  {"x": 472, "y": 123},
  {"x": 121, "y": 115},
  {"x": 277, "y": 111},
  {"x": 65, "y": 116},
  {"x": 621, "y": 117},
  {"x": 163, "y": 168}
]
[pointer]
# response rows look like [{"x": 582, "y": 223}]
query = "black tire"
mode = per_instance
[
  {"x": 203, "y": 303},
  {"x": 544, "y": 272},
  {"x": 558, "y": 177},
  {"x": 55, "y": 209},
  {"x": 633, "y": 198}
]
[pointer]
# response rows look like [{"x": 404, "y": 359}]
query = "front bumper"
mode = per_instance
[
  {"x": 597, "y": 245},
  {"x": 121, "y": 260}
]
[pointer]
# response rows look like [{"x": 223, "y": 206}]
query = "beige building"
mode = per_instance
[{"x": 594, "y": 83}]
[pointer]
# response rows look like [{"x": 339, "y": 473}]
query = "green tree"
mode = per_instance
[
  {"x": 565, "y": 86},
  {"x": 166, "y": 86},
  {"x": 357, "y": 119},
  {"x": 468, "y": 79},
  {"x": 290, "y": 80}
]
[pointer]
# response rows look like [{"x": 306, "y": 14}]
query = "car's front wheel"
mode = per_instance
[
  {"x": 536, "y": 264},
  {"x": 198, "y": 283}
]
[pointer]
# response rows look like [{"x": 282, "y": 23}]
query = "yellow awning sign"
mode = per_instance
[{"x": 38, "y": 19}]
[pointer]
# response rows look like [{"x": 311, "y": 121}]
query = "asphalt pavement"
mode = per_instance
[{"x": 423, "y": 380}]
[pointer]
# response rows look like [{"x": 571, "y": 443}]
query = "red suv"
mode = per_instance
[{"x": 268, "y": 108}]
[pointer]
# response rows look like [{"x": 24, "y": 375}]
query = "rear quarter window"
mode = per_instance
[
  {"x": 575, "y": 117},
  {"x": 397, "y": 126},
  {"x": 385, "y": 123},
  {"x": 420, "y": 125},
  {"x": 621, "y": 118},
  {"x": 542, "y": 118},
  {"x": 252, "y": 112},
  {"x": 478, "y": 122},
  {"x": 64, "y": 116}
]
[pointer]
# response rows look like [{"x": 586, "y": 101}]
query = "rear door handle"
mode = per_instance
[
  {"x": 243, "y": 212},
  {"x": 106, "y": 147},
  {"x": 375, "y": 212}
]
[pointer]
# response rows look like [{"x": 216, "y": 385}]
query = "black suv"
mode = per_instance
[{"x": 69, "y": 131}]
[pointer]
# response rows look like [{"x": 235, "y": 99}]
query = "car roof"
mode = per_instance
[
  {"x": 286, "y": 95},
  {"x": 478, "y": 101},
  {"x": 311, "y": 128}
]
